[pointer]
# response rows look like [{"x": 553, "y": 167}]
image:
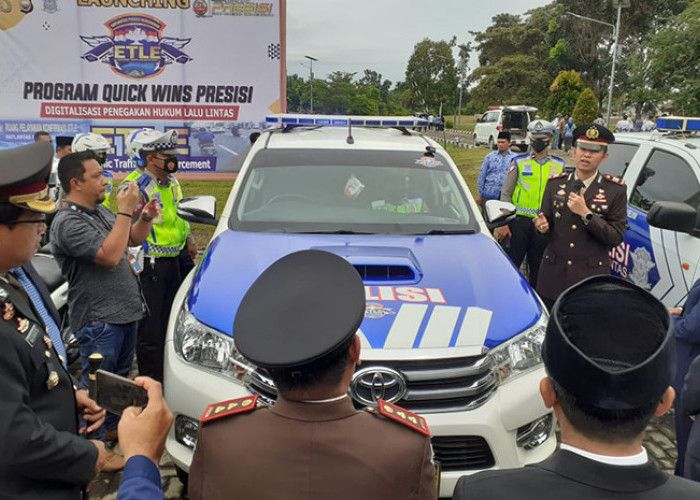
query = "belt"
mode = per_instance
[{"x": 170, "y": 251}]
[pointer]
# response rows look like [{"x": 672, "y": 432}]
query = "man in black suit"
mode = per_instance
[
  {"x": 690, "y": 406},
  {"x": 609, "y": 356}
]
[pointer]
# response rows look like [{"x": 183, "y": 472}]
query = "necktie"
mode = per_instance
[{"x": 38, "y": 303}]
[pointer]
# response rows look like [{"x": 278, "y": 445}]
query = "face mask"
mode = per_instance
[
  {"x": 538, "y": 145},
  {"x": 169, "y": 164}
]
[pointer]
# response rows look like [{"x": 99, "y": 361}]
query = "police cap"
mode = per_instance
[
  {"x": 540, "y": 129},
  {"x": 593, "y": 137},
  {"x": 609, "y": 344},
  {"x": 24, "y": 175},
  {"x": 301, "y": 308}
]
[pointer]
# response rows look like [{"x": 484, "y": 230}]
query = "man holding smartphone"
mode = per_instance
[{"x": 90, "y": 245}]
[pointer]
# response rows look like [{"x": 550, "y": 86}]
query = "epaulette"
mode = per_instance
[
  {"x": 231, "y": 407},
  {"x": 402, "y": 416},
  {"x": 558, "y": 160},
  {"x": 558, "y": 176},
  {"x": 614, "y": 180},
  {"x": 521, "y": 157}
]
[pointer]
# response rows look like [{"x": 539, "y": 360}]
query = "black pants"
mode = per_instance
[
  {"x": 526, "y": 241},
  {"x": 160, "y": 283}
]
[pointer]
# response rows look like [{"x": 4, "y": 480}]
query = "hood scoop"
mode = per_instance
[{"x": 379, "y": 265}]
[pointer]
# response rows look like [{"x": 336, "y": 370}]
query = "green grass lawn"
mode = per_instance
[{"x": 468, "y": 161}]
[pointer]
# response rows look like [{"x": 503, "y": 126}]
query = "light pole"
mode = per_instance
[
  {"x": 616, "y": 34},
  {"x": 311, "y": 80}
]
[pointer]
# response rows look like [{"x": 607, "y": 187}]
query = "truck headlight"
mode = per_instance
[
  {"x": 207, "y": 348},
  {"x": 520, "y": 354}
]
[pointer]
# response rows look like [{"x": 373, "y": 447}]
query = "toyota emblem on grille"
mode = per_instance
[{"x": 373, "y": 383}]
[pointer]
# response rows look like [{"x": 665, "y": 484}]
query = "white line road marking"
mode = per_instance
[
  {"x": 474, "y": 328},
  {"x": 227, "y": 149},
  {"x": 440, "y": 327},
  {"x": 405, "y": 328}
]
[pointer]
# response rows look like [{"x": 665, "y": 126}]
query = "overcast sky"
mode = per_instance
[{"x": 354, "y": 35}]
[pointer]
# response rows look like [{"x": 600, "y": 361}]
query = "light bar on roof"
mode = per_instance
[
  {"x": 300, "y": 120},
  {"x": 678, "y": 124}
]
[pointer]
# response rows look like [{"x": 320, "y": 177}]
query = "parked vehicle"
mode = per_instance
[{"x": 512, "y": 118}]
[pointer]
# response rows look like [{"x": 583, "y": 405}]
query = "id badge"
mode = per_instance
[{"x": 134, "y": 257}]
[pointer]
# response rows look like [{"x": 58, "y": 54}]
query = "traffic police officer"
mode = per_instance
[
  {"x": 41, "y": 455},
  {"x": 298, "y": 321},
  {"x": 169, "y": 249},
  {"x": 523, "y": 186},
  {"x": 608, "y": 352},
  {"x": 584, "y": 214}
]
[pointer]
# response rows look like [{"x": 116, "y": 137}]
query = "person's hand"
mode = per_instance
[
  {"x": 479, "y": 201},
  {"x": 150, "y": 210},
  {"x": 143, "y": 431},
  {"x": 192, "y": 250},
  {"x": 675, "y": 310},
  {"x": 577, "y": 204},
  {"x": 92, "y": 413},
  {"x": 502, "y": 233},
  {"x": 541, "y": 223},
  {"x": 101, "y": 456},
  {"x": 128, "y": 198}
]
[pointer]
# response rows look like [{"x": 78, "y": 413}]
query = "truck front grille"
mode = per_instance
[
  {"x": 432, "y": 386},
  {"x": 458, "y": 453}
]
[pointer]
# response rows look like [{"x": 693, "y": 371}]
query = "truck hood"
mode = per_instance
[{"x": 423, "y": 292}]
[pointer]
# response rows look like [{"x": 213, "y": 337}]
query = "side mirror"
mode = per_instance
[
  {"x": 498, "y": 213},
  {"x": 673, "y": 216},
  {"x": 479, "y": 120},
  {"x": 198, "y": 209}
]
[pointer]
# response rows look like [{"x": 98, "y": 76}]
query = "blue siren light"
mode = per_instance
[{"x": 344, "y": 121}]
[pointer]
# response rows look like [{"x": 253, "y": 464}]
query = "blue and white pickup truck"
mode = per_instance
[{"x": 452, "y": 330}]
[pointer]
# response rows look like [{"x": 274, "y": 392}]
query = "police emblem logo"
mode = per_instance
[
  {"x": 135, "y": 47},
  {"x": 200, "y": 7},
  {"x": 592, "y": 133},
  {"x": 376, "y": 310},
  {"x": 539, "y": 127}
]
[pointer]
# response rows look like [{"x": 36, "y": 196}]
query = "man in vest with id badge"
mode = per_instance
[
  {"x": 169, "y": 249},
  {"x": 524, "y": 186}
]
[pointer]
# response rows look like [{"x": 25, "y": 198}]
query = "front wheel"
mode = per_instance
[
  {"x": 492, "y": 143},
  {"x": 476, "y": 143}
]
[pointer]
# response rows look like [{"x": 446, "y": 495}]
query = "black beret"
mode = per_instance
[
  {"x": 24, "y": 174},
  {"x": 301, "y": 308},
  {"x": 593, "y": 136},
  {"x": 609, "y": 344},
  {"x": 504, "y": 134}
]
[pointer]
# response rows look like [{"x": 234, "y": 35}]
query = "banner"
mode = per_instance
[{"x": 211, "y": 69}]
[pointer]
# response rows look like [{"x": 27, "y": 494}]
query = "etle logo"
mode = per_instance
[{"x": 136, "y": 47}]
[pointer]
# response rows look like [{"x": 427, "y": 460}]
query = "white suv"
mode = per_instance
[
  {"x": 452, "y": 330},
  {"x": 512, "y": 118}
]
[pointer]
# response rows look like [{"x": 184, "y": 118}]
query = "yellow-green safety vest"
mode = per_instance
[
  {"x": 532, "y": 179},
  {"x": 169, "y": 233}
]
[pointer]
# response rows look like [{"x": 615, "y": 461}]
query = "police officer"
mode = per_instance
[
  {"x": 584, "y": 214},
  {"x": 523, "y": 186},
  {"x": 609, "y": 357},
  {"x": 41, "y": 455},
  {"x": 170, "y": 247},
  {"x": 298, "y": 321}
]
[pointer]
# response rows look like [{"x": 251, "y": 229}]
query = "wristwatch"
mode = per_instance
[{"x": 587, "y": 218}]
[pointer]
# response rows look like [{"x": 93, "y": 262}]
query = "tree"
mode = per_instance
[
  {"x": 564, "y": 92},
  {"x": 675, "y": 52},
  {"x": 587, "y": 108},
  {"x": 432, "y": 75},
  {"x": 297, "y": 93}
]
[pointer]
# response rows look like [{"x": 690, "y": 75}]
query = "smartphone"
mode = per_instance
[{"x": 116, "y": 393}]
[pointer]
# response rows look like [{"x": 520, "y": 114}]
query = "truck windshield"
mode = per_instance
[{"x": 390, "y": 192}]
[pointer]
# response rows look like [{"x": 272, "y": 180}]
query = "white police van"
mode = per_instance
[
  {"x": 661, "y": 247},
  {"x": 452, "y": 330}
]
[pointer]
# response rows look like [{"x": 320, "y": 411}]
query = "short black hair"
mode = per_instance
[
  {"x": 71, "y": 167},
  {"x": 253, "y": 137},
  {"x": 327, "y": 370},
  {"x": 39, "y": 134},
  {"x": 611, "y": 426},
  {"x": 10, "y": 212}
]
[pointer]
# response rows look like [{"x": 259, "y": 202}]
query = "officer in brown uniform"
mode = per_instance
[
  {"x": 584, "y": 213},
  {"x": 298, "y": 320}
]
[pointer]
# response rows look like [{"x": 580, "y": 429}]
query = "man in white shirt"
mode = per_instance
[
  {"x": 609, "y": 357},
  {"x": 624, "y": 125}
]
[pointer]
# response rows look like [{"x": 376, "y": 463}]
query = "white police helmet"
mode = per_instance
[
  {"x": 89, "y": 141},
  {"x": 540, "y": 129},
  {"x": 144, "y": 140}
]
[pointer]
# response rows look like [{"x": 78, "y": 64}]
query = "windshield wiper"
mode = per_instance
[
  {"x": 333, "y": 231},
  {"x": 449, "y": 231}
]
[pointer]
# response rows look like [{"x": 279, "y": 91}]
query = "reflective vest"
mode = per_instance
[
  {"x": 108, "y": 190},
  {"x": 169, "y": 233},
  {"x": 532, "y": 179}
]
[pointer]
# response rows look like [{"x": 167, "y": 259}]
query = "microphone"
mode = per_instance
[{"x": 578, "y": 185}]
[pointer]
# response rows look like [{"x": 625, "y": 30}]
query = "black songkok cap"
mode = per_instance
[
  {"x": 609, "y": 344},
  {"x": 301, "y": 308},
  {"x": 63, "y": 140},
  {"x": 504, "y": 134}
]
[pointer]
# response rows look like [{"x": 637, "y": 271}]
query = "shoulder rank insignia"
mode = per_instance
[
  {"x": 613, "y": 179},
  {"x": 231, "y": 407},
  {"x": 8, "y": 311},
  {"x": 405, "y": 417},
  {"x": 558, "y": 176}
]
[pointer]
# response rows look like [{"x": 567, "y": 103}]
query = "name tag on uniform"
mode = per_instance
[{"x": 527, "y": 169}]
